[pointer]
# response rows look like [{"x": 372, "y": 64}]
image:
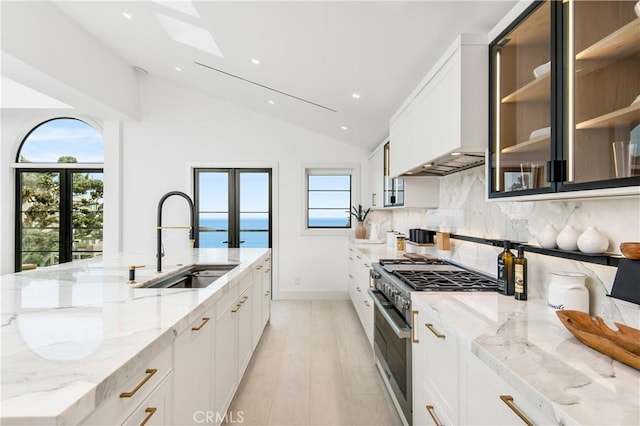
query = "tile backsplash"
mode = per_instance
[{"x": 463, "y": 195}]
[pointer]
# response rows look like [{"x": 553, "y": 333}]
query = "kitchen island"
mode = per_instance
[{"x": 73, "y": 334}]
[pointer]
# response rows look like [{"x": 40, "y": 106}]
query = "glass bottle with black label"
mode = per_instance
[
  {"x": 505, "y": 271},
  {"x": 520, "y": 275}
]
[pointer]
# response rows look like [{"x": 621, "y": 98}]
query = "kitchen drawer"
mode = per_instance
[
  {"x": 428, "y": 411},
  {"x": 438, "y": 356},
  {"x": 362, "y": 266},
  {"x": 228, "y": 298},
  {"x": 483, "y": 398},
  {"x": 129, "y": 394},
  {"x": 157, "y": 409}
]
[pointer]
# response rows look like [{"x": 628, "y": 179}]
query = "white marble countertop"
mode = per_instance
[
  {"x": 526, "y": 345},
  {"x": 375, "y": 252},
  {"x": 68, "y": 331}
]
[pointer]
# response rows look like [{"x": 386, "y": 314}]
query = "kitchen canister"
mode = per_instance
[
  {"x": 567, "y": 291},
  {"x": 547, "y": 237},
  {"x": 592, "y": 241},
  {"x": 567, "y": 239}
]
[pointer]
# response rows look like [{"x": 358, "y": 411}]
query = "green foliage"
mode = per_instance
[{"x": 360, "y": 214}]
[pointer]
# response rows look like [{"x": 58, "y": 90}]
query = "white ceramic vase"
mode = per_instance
[
  {"x": 547, "y": 237},
  {"x": 593, "y": 241},
  {"x": 567, "y": 239},
  {"x": 567, "y": 291}
]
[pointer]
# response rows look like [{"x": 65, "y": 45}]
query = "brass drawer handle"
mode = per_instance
[
  {"x": 151, "y": 411},
  {"x": 350, "y": 258},
  {"x": 432, "y": 412},
  {"x": 358, "y": 288},
  {"x": 358, "y": 257},
  {"x": 150, "y": 372},
  {"x": 350, "y": 276},
  {"x": 414, "y": 339},
  {"x": 204, "y": 321},
  {"x": 267, "y": 293},
  {"x": 238, "y": 306},
  {"x": 366, "y": 303},
  {"x": 259, "y": 267},
  {"x": 244, "y": 299},
  {"x": 434, "y": 331},
  {"x": 267, "y": 270},
  {"x": 366, "y": 265},
  {"x": 508, "y": 399}
]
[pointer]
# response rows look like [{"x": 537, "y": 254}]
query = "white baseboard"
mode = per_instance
[{"x": 313, "y": 295}]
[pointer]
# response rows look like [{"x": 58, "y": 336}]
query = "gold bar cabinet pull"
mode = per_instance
[
  {"x": 434, "y": 331},
  {"x": 204, "y": 321},
  {"x": 150, "y": 412},
  {"x": 150, "y": 372},
  {"x": 414, "y": 339},
  {"x": 508, "y": 399},
  {"x": 432, "y": 412}
]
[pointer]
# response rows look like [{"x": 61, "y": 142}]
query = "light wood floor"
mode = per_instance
[{"x": 313, "y": 366}]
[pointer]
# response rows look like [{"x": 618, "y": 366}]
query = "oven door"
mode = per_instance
[{"x": 392, "y": 345}]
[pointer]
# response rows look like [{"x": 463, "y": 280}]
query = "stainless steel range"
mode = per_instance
[{"x": 393, "y": 282}]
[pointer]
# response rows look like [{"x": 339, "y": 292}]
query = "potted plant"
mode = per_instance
[{"x": 360, "y": 214}]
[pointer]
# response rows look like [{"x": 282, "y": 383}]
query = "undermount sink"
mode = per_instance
[{"x": 196, "y": 276}]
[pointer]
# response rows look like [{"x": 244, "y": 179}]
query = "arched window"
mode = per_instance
[{"x": 59, "y": 194}]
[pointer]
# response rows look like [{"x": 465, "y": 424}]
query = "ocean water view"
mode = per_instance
[{"x": 253, "y": 231}]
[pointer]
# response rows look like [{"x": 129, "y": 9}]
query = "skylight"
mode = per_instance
[{"x": 188, "y": 34}]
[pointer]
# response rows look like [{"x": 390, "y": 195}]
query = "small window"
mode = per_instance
[{"x": 328, "y": 199}]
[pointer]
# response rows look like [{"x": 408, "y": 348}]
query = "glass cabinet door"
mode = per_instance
[
  {"x": 521, "y": 99},
  {"x": 602, "y": 86},
  {"x": 393, "y": 188}
]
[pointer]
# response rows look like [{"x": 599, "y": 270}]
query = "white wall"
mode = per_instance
[{"x": 180, "y": 128}]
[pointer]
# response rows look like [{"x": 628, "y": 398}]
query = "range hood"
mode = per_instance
[{"x": 451, "y": 163}]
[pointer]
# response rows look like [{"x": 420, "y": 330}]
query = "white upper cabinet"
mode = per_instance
[
  {"x": 375, "y": 168},
  {"x": 446, "y": 114}
]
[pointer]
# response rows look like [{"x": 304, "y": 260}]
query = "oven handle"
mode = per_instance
[{"x": 402, "y": 331}]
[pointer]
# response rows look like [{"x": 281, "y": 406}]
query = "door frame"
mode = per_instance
[
  {"x": 65, "y": 244},
  {"x": 275, "y": 203}
]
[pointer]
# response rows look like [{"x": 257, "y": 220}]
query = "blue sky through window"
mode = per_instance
[{"x": 63, "y": 137}]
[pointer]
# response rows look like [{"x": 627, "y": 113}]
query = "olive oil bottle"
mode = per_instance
[
  {"x": 520, "y": 275},
  {"x": 506, "y": 271}
]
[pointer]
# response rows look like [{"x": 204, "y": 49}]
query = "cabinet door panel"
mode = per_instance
[
  {"x": 226, "y": 356},
  {"x": 157, "y": 408},
  {"x": 245, "y": 336},
  {"x": 193, "y": 369}
]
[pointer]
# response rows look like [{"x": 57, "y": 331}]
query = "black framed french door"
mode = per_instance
[
  {"x": 233, "y": 206},
  {"x": 59, "y": 215}
]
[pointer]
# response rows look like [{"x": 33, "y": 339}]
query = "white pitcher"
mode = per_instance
[{"x": 567, "y": 291}]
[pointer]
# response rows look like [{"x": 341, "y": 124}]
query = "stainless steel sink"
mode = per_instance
[{"x": 197, "y": 276}]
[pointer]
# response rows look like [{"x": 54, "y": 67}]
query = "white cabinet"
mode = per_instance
[
  {"x": 193, "y": 369},
  {"x": 245, "y": 335},
  {"x": 487, "y": 399},
  {"x": 358, "y": 277},
  {"x": 257, "y": 305},
  {"x": 447, "y": 112},
  {"x": 375, "y": 171},
  {"x": 143, "y": 381},
  {"x": 266, "y": 291},
  {"x": 435, "y": 368},
  {"x": 157, "y": 409},
  {"x": 225, "y": 349}
]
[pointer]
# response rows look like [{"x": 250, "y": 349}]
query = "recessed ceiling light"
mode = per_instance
[
  {"x": 255, "y": 61},
  {"x": 456, "y": 153},
  {"x": 271, "y": 102},
  {"x": 428, "y": 165},
  {"x": 409, "y": 173},
  {"x": 178, "y": 69},
  {"x": 355, "y": 96},
  {"x": 126, "y": 15},
  {"x": 344, "y": 128}
]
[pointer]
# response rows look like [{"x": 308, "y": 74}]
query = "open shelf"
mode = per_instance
[
  {"x": 539, "y": 144},
  {"x": 619, "y": 44},
  {"x": 538, "y": 90},
  {"x": 622, "y": 116}
]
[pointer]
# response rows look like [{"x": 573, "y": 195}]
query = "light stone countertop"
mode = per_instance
[
  {"x": 526, "y": 345},
  {"x": 70, "y": 332}
]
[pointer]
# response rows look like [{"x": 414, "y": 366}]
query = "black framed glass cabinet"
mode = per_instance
[{"x": 565, "y": 99}]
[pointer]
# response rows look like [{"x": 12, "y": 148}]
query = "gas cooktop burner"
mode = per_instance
[
  {"x": 413, "y": 262},
  {"x": 446, "y": 280}
]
